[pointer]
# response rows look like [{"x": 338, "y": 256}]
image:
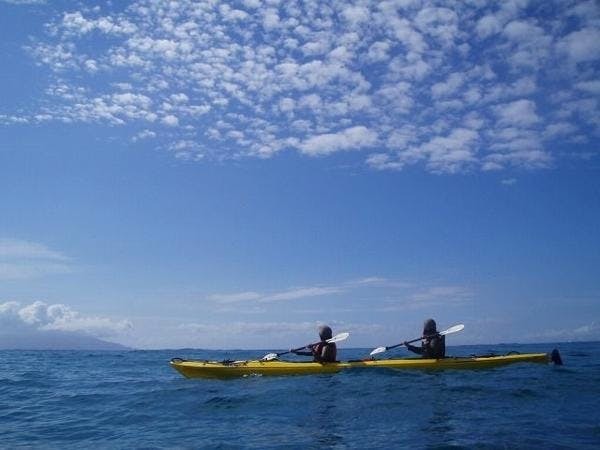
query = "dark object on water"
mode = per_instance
[{"x": 555, "y": 357}]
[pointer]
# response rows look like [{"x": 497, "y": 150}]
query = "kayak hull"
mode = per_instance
[{"x": 214, "y": 369}]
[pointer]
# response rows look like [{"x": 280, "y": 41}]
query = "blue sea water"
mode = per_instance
[{"x": 133, "y": 399}]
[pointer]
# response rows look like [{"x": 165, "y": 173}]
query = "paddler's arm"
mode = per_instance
[
  {"x": 412, "y": 348},
  {"x": 297, "y": 352}
]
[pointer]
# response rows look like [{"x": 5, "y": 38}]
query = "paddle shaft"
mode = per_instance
[
  {"x": 300, "y": 348},
  {"x": 336, "y": 338},
  {"x": 413, "y": 340}
]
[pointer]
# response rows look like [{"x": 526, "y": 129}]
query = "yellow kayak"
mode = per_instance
[{"x": 229, "y": 369}]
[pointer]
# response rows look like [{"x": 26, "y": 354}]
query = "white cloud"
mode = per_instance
[
  {"x": 441, "y": 294},
  {"x": 76, "y": 23},
  {"x": 270, "y": 19},
  {"x": 559, "y": 129},
  {"x": 581, "y": 46},
  {"x": 21, "y": 249},
  {"x": 452, "y": 83},
  {"x": 252, "y": 3},
  {"x": 586, "y": 11},
  {"x": 290, "y": 294},
  {"x": 451, "y": 153},
  {"x": 593, "y": 86},
  {"x": 356, "y": 14},
  {"x": 349, "y": 139},
  {"x": 232, "y": 14},
  {"x": 529, "y": 45},
  {"x": 518, "y": 113},
  {"x": 401, "y": 138},
  {"x": 233, "y": 298},
  {"x": 441, "y": 23},
  {"x": 520, "y": 31},
  {"x": 378, "y": 51},
  {"x": 325, "y": 78},
  {"x": 144, "y": 134},
  {"x": 287, "y": 104},
  {"x": 369, "y": 281},
  {"x": 297, "y": 330},
  {"x": 522, "y": 154},
  {"x": 39, "y": 316},
  {"x": 447, "y": 154},
  {"x": 329, "y": 303},
  {"x": 488, "y": 26},
  {"x": 383, "y": 161},
  {"x": 188, "y": 150},
  {"x": 170, "y": 120},
  {"x": 369, "y": 287},
  {"x": 245, "y": 328},
  {"x": 20, "y": 259},
  {"x": 299, "y": 293},
  {"x": 585, "y": 332},
  {"x": 25, "y": 270},
  {"x": 25, "y": 2},
  {"x": 179, "y": 98}
]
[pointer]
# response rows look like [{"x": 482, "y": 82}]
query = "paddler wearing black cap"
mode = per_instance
[
  {"x": 433, "y": 346},
  {"x": 323, "y": 351}
]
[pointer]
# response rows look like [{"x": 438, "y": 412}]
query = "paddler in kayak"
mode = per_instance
[
  {"x": 323, "y": 351},
  {"x": 433, "y": 346}
]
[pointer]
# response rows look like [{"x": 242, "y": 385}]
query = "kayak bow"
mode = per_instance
[{"x": 231, "y": 369}]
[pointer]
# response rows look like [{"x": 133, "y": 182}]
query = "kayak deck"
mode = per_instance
[{"x": 229, "y": 369}]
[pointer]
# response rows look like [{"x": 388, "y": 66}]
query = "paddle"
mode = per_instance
[
  {"x": 336, "y": 338},
  {"x": 450, "y": 330}
]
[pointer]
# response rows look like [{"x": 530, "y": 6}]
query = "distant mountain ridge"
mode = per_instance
[{"x": 55, "y": 340}]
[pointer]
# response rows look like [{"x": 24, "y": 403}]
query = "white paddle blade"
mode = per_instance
[
  {"x": 378, "y": 350},
  {"x": 453, "y": 329},
  {"x": 339, "y": 337},
  {"x": 269, "y": 357}
]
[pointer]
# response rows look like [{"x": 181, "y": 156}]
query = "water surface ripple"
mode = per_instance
[{"x": 135, "y": 400}]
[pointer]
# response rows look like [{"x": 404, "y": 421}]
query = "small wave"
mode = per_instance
[
  {"x": 579, "y": 354},
  {"x": 524, "y": 393},
  {"x": 226, "y": 402},
  {"x": 469, "y": 389}
]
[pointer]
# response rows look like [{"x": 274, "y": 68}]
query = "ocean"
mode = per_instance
[{"x": 133, "y": 399}]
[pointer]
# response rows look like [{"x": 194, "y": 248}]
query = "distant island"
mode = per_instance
[{"x": 55, "y": 340}]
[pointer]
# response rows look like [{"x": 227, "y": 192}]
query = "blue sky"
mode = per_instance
[{"x": 232, "y": 174}]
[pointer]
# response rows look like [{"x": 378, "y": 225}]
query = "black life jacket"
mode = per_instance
[{"x": 325, "y": 352}]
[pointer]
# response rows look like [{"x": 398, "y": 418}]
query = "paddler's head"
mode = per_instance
[
  {"x": 429, "y": 327},
  {"x": 325, "y": 332}
]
